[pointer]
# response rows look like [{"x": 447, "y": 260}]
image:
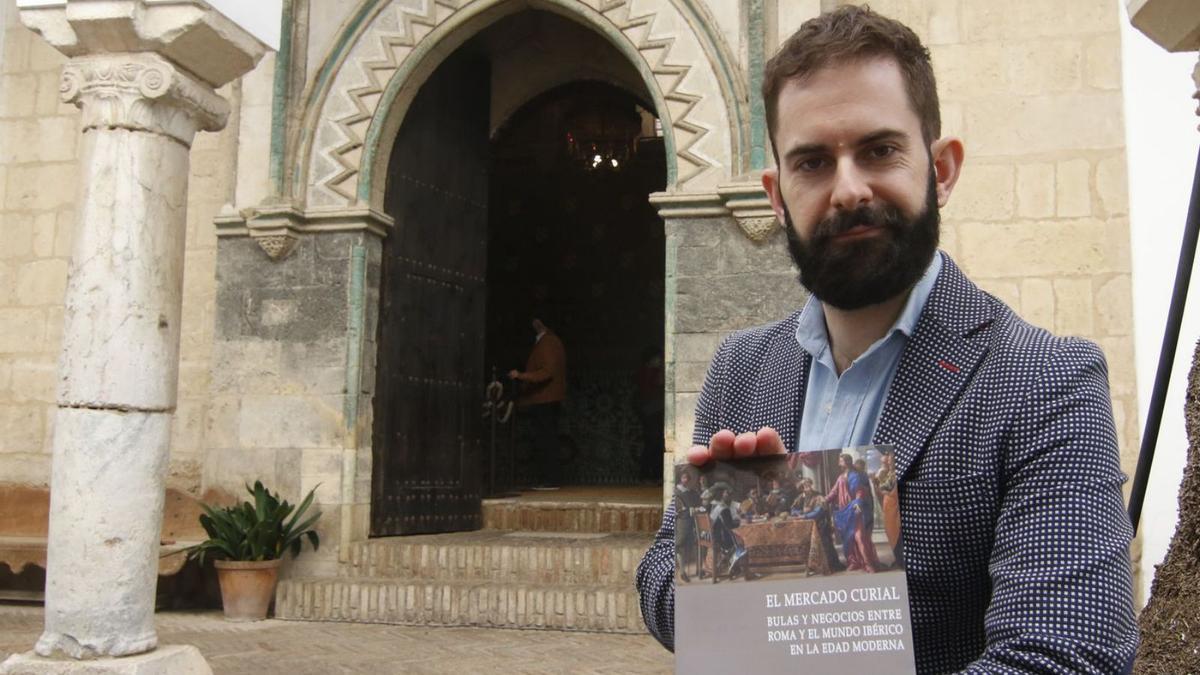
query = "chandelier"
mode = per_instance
[{"x": 601, "y": 134}]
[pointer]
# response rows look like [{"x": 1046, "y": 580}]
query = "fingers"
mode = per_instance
[
  {"x": 722, "y": 444},
  {"x": 698, "y": 455},
  {"x": 769, "y": 442},
  {"x": 745, "y": 444}
]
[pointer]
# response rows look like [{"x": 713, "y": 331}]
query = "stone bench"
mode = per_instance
[{"x": 24, "y": 516}]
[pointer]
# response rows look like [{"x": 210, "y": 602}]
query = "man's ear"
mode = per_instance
[
  {"x": 947, "y": 154},
  {"x": 770, "y": 182}
]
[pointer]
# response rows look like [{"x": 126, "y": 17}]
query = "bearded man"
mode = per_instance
[{"x": 1014, "y": 527}]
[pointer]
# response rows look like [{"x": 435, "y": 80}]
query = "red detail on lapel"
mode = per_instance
[{"x": 948, "y": 366}]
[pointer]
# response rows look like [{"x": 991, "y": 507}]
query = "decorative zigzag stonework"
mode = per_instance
[{"x": 396, "y": 30}]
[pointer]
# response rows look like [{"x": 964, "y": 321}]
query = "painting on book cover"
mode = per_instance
[{"x": 828, "y": 513}]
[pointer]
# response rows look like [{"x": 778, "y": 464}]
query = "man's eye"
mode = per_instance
[
  {"x": 882, "y": 151},
  {"x": 811, "y": 164}
]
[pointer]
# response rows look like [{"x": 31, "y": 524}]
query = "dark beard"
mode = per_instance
[{"x": 866, "y": 272}]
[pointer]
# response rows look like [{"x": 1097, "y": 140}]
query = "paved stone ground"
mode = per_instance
[{"x": 297, "y": 648}]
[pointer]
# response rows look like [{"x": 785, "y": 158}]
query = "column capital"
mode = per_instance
[
  {"x": 141, "y": 92},
  {"x": 188, "y": 33},
  {"x": 1173, "y": 24}
]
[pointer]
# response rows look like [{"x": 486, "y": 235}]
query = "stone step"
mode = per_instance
[
  {"x": 599, "y": 608},
  {"x": 502, "y": 557},
  {"x": 568, "y": 515}
]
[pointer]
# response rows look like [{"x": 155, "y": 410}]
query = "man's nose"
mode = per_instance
[{"x": 850, "y": 188}]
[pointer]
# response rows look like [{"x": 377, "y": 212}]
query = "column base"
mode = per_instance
[{"x": 170, "y": 660}]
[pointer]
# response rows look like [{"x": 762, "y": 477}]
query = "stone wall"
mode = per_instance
[
  {"x": 279, "y": 402},
  {"x": 38, "y": 139}
]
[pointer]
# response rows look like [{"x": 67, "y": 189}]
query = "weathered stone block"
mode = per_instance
[
  {"x": 18, "y": 229},
  {"x": 22, "y": 330},
  {"x": 1118, "y": 350},
  {"x": 965, "y": 71},
  {"x": 734, "y": 301},
  {"x": 1074, "y": 186},
  {"x": 1037, "y": 302},
  {"x": 187, "y": 429},
  {"x": 1035, "y": 190},
  {"x": 42, "y": 282},
  {"x": 1074, "y": 310},
  {"x": 18, "y": 95},
  {"x": 41, "y": 187},
  {"x": 1025, "y": 19},
  {"x": 943, "y": 22},
  {"x": 8, "y": 280},
  {"x": 697, "y": 261},
  {"x": 685, "y": 419},
  {"x": 64, "y": 231},
  {"x": 701, "y": 232},
  {"x": 290, "y": 421},
  {"x": 44, "y": 234},
  {"x": 1104, "y": 61},
  {"x": 1005, "y": 290},
  {"x": 739, "y": 255},
  {"x": 1112, "y": 184},
  {"x": 689, "y": 377},
  {"x": 16, "y": 49},
  {"x": 1043, "y": 248},
  {"x": 229, "y": 469},
  {"x": 221, "y": 421},
  {"x": 698, "y": 347},
  {"x": 1114, "y": 307},
  {"x": 22, "y": 427},
  {"x": 1044, "y": 66},
  {"x": 33, "y": 379},
  {"x": 1020, "y": 125},
  {"x": 983, "y": 192}
]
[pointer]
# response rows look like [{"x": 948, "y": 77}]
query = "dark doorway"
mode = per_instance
[
  {"x": 427, "y": 474},
  {"x": 572, "y": 236}
]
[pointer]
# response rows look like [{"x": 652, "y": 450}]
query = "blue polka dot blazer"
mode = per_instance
[{"x": 1014, "y": 526}]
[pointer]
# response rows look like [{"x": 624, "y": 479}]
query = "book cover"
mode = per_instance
[{"x": 791, "y": 562}]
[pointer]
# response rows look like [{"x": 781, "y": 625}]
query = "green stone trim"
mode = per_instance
[
  {"x": 279, "y": 98},
  {"x": 355, "y": 320},
  {"x": 431, "y": 42},
  {"x": 756, "y": 30},
  {"x": 719, "y": 53},
  {"x": 320, "y": 87}
]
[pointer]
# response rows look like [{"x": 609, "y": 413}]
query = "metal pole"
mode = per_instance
[{"x": 1166, "y": 357}]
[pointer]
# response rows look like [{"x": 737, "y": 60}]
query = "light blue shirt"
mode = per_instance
[{"x": 843, "y": 412}]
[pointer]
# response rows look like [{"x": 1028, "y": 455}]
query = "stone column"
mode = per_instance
[{"x": 143, "y": 75}]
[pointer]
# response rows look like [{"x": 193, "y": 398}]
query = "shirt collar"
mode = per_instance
[{"x": 810, "y": 328}]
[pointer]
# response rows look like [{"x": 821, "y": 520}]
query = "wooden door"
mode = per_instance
[{"x": 427, "y": 472}]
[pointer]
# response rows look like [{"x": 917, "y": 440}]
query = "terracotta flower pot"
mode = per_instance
[{"x": 247, "y": 587}]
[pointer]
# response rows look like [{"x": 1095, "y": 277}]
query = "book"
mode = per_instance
[{"x": 791, "y": 563}]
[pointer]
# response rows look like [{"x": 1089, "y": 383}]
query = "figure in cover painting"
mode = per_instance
[{"x": 854, "y": 515}]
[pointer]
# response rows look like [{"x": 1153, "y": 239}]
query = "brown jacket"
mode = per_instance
[{"x": 545, "y": 374}]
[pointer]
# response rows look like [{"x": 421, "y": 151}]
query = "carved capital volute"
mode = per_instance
[{"x": 141, "y": 92}]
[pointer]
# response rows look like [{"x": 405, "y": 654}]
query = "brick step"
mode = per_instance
[
  {"x": 571, "y": 516},
  {"x": 600, "y": 608},
  {"x": 501, "y": 557}
]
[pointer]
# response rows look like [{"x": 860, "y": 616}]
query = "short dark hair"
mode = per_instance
[{"x": 848, "y": 34}]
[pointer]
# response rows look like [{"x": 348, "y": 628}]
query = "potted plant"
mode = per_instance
[{"x": 247, "y": 542}]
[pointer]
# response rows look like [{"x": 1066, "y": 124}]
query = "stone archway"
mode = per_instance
[{"x": 390, "y": 46}]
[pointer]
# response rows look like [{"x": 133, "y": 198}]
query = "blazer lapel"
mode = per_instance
[
  {"x": 938, "y": 362},
  {"x": 779, "y": 399}
]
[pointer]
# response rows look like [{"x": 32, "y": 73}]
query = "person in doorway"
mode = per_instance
[
  {"x": 543, "y": 390},
  {"x": 1016, "y": 539}
]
